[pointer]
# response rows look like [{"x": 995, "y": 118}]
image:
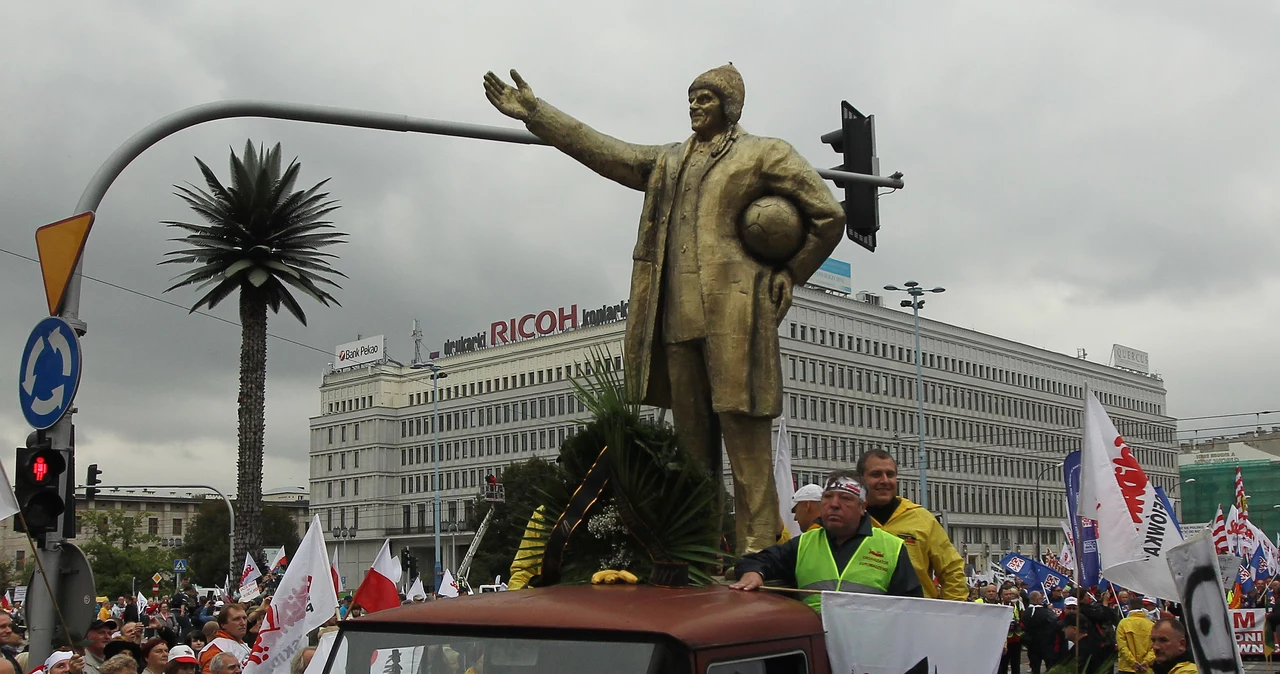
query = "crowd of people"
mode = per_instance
[
  {"x": 182, "y": 634},
  {"x": 859, "y": 519}
]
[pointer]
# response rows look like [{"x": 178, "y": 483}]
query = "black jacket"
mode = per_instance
[
  {"x": 1040, "y": 629},
  {"x": 778, "y": 562}
]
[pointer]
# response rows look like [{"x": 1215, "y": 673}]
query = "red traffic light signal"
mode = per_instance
[{"x": 45, "y": 467}]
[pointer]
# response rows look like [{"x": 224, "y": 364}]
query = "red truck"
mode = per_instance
[{"x": 622, "y": 629}]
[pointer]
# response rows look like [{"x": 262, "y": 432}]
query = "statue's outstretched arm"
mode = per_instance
[{"x": 622, "y": 162}]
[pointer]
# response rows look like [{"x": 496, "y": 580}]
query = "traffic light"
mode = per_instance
[
  {"x": 91, "y": 484},
  {"x": 413, "y": 566},
  {"x": 855, "y": 140},
  {"x": 41, "y": 486}
]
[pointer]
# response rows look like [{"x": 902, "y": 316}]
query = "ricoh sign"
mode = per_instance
[
  {"x": 541, "y": 324},
  {"x": 357, "y": 353}
]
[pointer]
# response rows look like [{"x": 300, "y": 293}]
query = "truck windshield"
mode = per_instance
[{"x": 402, "y": 653}]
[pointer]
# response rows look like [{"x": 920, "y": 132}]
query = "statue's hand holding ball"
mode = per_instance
[{"x": 772, "y": 231}]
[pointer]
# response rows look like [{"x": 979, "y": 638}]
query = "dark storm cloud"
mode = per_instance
[{"x": 1078, "y": 174}]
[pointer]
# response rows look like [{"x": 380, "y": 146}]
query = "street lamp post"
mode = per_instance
[
  {"x": 1040, "y": 476},
  {"x": 437, "y": 373},
  {"x": 915, "y": 291}
]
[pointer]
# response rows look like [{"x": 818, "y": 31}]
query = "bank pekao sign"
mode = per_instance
[
  {"x": 363, "y": 352},
  {"x": 541, "y": 324}
]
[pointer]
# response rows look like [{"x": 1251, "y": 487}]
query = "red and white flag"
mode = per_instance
[
  {"x": 277, "y": 561},
  {"x": 1242, "y": 501},
  {"x": 448, "y": 586},
  {"x": 250, "y": 572},
  {"x": 6, "y": 602},
  {"x": 333, "y": 571},
  {"x": 378, "y": 591},
  {"x": 1240, "y": 537},
  {"x": 1134, "y": 529},
  {"x": 304, "y": 601},
  {"x": 1218, "y": 531}
]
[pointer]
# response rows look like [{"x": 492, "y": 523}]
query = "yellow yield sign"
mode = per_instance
[{"x": 60, "y": 245}]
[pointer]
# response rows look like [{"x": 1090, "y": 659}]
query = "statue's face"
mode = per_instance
[{"x": 706, "y": 114}]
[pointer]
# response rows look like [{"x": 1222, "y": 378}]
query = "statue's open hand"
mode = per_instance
[
  {"x": 516, "y": 102},
  {"x": 780, "y": 292}
]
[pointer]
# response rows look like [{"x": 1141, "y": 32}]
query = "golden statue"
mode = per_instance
[{"x": 702, "y": 336}]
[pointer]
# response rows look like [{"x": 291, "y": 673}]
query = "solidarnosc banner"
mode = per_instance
[
  {"x": 880, "y": 634},
  {"x": 1084, "y": 530}
]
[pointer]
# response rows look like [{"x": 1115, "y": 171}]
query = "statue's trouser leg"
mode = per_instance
[
  {"x": 748, "y": 442},
  {"x": 696, "y": 425}
]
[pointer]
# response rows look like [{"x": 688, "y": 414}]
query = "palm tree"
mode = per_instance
[{"x": 261, "y": 238}]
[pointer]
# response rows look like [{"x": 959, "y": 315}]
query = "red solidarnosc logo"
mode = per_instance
[{"x": 1132, "y": 480}]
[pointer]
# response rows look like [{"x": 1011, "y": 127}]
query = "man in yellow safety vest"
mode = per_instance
[{"x": 845, "y": 555}]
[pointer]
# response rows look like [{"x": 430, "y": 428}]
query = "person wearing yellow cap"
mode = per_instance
[{"x": 702, "y": 332}]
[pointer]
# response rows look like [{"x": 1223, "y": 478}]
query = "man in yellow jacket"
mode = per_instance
[
  {"x": 931, "y": 552},
  {"x": 1133, "y": 640}
]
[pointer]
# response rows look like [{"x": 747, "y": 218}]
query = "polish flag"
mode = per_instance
[
  {"x": 333, "y": 570},
  {"x": 278, "y": 560},
  {"x": 378, "y": 591},
  {"x": 6, "y": 603},
  {"x": 250, "y": 572}
]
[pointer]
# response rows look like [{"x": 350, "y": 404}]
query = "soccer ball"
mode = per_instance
[{"x": 771, "y": 229}]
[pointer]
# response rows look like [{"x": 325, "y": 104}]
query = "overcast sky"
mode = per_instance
[{"x": 1079, "y": 174}]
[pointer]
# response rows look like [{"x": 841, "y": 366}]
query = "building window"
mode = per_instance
[
  {"x": 357, "y": 427},
  {"x": 177, "y": 527},
  {"x": 344, "y": 432},
  {"x": 153, "y": 526},
  {"x": 331, "y": 435},
  {"x": 355, "y": 486},
  {"x": 342, "y": 461}
]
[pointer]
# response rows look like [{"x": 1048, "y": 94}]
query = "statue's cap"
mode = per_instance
[{"x": 727, "y": 82}]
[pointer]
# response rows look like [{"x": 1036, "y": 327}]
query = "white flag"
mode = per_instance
[
  {"x": 448, "y": 586},
  {"x": 142, "y": 602},
  {"x": 305, "y": 600},
  {"x": 1134, "y": 531},
  {"x": 277, "y": 560},
  {"x": 782, "y": 479},
  {"x": 1067, "y": 558},
  {"x": 416, "y": 589},
  {"x": 250, "y": 571},
  {"x": 8, "y": 502}
]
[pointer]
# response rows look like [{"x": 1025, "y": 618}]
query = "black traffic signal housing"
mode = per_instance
[
  {"x": 855, "y": 140},
  {"x": 45, "y": 488},
  {"x": 92, "y": 482},
  {"x": 413, "y": 566}
]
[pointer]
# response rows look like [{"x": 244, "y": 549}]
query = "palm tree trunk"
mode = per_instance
[{"x": 252, "y": 423}]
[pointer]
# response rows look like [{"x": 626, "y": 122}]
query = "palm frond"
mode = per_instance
[{"x": 260, "y": 233}]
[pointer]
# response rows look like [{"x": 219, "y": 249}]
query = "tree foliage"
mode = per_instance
[
  {"x": 205, "y": 545},
  {"x": 525, "y": 485},
  {"x": 121, "y": 552}
]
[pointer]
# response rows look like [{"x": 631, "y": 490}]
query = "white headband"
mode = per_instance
[
  {"x": 845, "y": 484},
  {"x": 55, "y": 658}
]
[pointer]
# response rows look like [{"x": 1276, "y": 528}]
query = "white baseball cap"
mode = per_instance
[
  {"x": 1070, "y": 601},
  {"x": 809, "y": 492},
  {"x": 183, "y": 654}
]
